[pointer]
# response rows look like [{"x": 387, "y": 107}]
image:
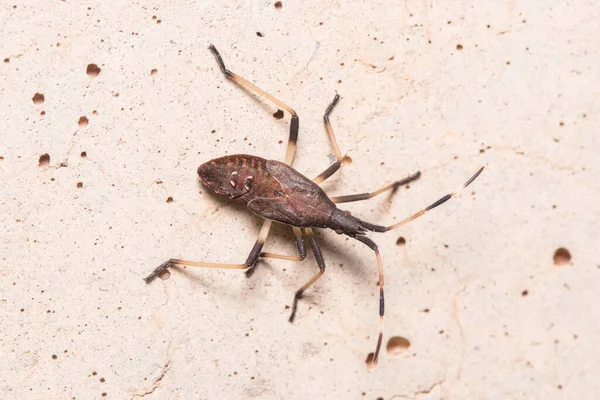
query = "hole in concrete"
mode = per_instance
[
  {"x": 346, "y": 160},
  {"x": 83, "y": 121},
  {"x": 370, "y": 362},
  {"x": 459, "y": 47},
  {"x": 54, "y": 356},
  {"x": 278, "y": 5},
  {"x": 38, "y": 99},
  {"x": 278, "y": 114},
  {"x": 7, "y": 60},
  {"x": 42, "y": 113},
  {"x": 397, "y": 345},
  {"x": 259, "y": 34},
  {"x": 153, "y": 71},
  {"x": 93, "y": 70},
  {"x": 524, "y": 293},
  {"x": 169, "y": 199},
  {"x": 401, "y": 241},
  {"x": 44, "y": 160},
  {"x": 562, "y": 256},
  {"x": 164, "y": 275},
  {"x": 83, "y": 154},
  {"x": 79, "y": 185}
]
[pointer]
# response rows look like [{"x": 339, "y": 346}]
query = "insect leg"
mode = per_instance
[
  {"x": 373, "y": 357},
  {"x": 258, "y": 245},
  {"x": 299, "y": 243},
  {"x": 338, "y": 157},
  {"x": 294, "y": 123},
  {"x": 300, "y": 257},
  {"x": 320, "y": 263},
  {"x": 365, "y": 196},
  {"x": 434, "y": 205},
  {"x": 248, "y": 265}
]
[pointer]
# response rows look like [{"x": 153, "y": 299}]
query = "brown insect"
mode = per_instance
[{"x": 276, "y": 192}]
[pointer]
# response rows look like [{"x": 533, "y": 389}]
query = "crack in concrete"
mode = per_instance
[
  {"x": 157, "y": 381},
  {"x": 418, "y": 393},
  {"x": 399, "y": 396},
  {"x": 65, "y": 162},
  {"x": 461, "y": 329},
  {"x": 429, "y": 389},
  {"x": 326, "y": 8},
  {"x": 179, "y": 204},
  {"x": 108, "y": 177},
  {"x": 167, "y": 298},
  {"x": 303, "y": 69}
]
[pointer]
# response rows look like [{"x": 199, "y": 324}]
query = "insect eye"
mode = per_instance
[{"x": 248, "y": 182}]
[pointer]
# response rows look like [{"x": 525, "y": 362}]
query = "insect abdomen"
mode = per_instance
[{"x": 289, "y": 197}]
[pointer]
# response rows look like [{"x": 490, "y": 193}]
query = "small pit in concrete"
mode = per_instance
[
  {"x": 164, "y": 275},
  {"x": 44, "y": 160},
  {"x": 562, "y": 256},
  {"x": 278, "y": 114},
  {"x": 93, "y": 70},
  {"x": 397, "y": 345},
  {"x": 38, "y": 99}
]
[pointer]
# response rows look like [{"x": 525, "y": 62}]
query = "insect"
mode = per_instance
[{"x": 276, "y": 192}]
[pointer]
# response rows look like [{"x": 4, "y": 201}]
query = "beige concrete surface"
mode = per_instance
[{"x": 440, "y": 87}]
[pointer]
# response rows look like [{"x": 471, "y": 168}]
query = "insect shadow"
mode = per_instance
[{"x": 276, "y": 192}]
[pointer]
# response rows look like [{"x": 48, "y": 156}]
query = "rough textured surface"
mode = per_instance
[{"x": 442, "y": 88}]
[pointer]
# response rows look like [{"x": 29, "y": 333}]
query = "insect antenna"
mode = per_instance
[
  {"x": 372, "y": 358},
  {"x": 435, "y": 204}
]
